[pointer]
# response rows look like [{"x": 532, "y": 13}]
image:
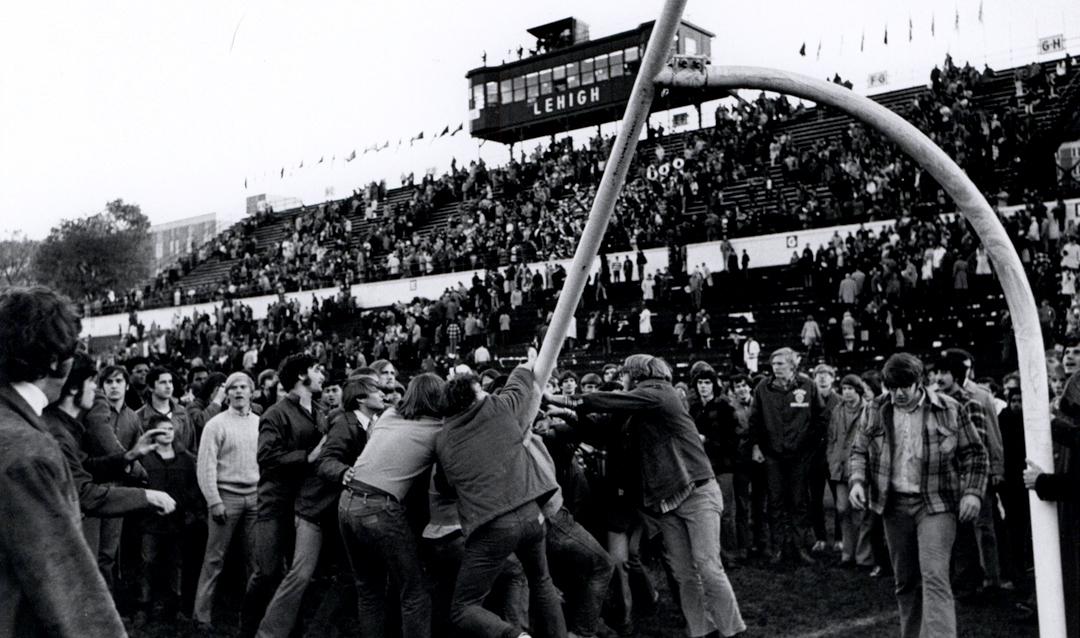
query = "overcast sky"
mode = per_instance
[{"x": 172, "y": 105}]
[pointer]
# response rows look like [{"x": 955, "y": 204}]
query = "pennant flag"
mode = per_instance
[
  {"x": 886, "y": 34},
  {"x": 818, "y": 56},
  {"x": 282, "y": 173},
  {"x": 301, "y": 164},
  {"x": 956, "y": 23},
  {"x": 862, "y": 41},
  {"x": 932, "y": 31},
  {"x": 321, "y": 159},
  {"x": 445, "y": 131},
  {"x": 802, "y": 50},
  {"x": 910, "y": 29},
  {"x": 351, "y": 156},
  {"x": 420, "y": 136},
  {"x": 245, "y": 182},
  {"x": 980, "y": 12},
  {"x": 386, "y": 145},
  {"x": 458, "y": 129},
  {"x": 399, "y": 141}
]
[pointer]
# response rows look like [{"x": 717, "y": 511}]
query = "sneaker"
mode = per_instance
[
  {"x": 818, "y": 547},
  {"x": 838, "y": 546}
]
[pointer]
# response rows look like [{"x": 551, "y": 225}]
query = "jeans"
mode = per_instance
[
  {"x": 854, "y": 528},
  {"x": 162, "y": 565},
  {"x": 920, "y": 544},
  {"x": 691, "y": 534},
  {"x": 381, "y": 546},
  {"x": 520, "y": 532},
  {"x": 788, "y": 514},
  {"x": 284, "y": 608},
  {"x": 239, "y": 515},
  {"x": 987, "y": 538},
  {"x": 509, "y": 597},
  {"x": 273, "y": 534},
  {"x": 575, "y": 553}
]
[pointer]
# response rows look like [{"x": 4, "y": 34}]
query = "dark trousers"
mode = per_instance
[
  {"x": 582, "y": 568},
  {"x": 381, "y": 549},
  {"x": 519, "y": 532},
  {"x": 789, "y": 517},
  {"x": 160, "y": 579},
  {"x": 817, "y": 480},
  {"x": 273, "y": 539},
  {"x": 509, "y": 597},
  {"x": 751, "y": 506}
]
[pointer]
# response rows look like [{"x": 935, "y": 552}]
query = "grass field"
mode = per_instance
[{"x": 803, "y": 602}]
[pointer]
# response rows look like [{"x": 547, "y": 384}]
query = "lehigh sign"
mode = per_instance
[{"x": 567, "y": 100}]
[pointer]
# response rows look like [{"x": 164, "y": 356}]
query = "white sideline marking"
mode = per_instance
[{"x": 850, "y": 625}]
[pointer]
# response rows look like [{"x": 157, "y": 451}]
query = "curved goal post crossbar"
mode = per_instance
[
  {"x": 972, "y": 204},
  {"x": 1007, "y": 265}
]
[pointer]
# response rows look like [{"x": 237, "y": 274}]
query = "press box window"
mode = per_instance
[
  {"x": 532, "y": 86},
  {"x": 587, "y": 73},
  {"x": 545, "y": 82},
  {"x": 478, "y": 96},
  {"x": 492, "y": 89},
  {"x": 506, "y": 93},
  {"x": 572, "y": 79},
  {"x": 601, "y": 67},
  {"x": 615, "y": 64},
  {"x": 519, "y": 88}
]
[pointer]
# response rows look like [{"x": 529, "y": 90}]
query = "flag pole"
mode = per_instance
[{"x": 622, "y": 152}]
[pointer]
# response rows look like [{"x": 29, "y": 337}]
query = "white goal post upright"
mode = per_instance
[
  {"x": 622, "y": 153},
  {"x": 1018, "y": 295}
]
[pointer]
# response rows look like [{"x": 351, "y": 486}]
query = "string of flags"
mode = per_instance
[
  {"x": 373, "y": 148},
  {"x": 910, "y": 31}
]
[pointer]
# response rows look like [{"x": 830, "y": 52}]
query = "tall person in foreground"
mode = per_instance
[
  {"x": 49, "y": 581},
  {"x": 918, "y": 461}
]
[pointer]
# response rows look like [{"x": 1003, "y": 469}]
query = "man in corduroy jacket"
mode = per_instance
[{"x": 918, "y": 462}]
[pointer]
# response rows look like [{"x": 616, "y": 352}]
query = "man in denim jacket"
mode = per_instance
[{"x": 919, "y": 462}]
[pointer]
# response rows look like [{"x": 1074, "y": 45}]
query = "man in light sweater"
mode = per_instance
[{"x": 228, "y": 475}]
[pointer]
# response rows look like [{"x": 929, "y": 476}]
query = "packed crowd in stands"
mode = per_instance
[{"x": 533, "y": 208}]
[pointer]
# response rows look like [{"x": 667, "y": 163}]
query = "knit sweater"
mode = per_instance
[{"x": 227, "y": 456}]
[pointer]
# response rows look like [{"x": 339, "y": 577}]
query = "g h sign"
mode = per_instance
[{"x": 1051, "y": 44}]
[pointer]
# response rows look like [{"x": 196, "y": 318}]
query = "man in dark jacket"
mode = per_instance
[
  {"x": 96, "y": 496},
  {"x": 291, "y": 436},
  {"x": 787, "y": 424},
  {"x": 714, "y": 417},
  {"x": 112, "y": 427},
  {"x": 160, "y": 400},
  {"x": 485, "y": 457},
  {"x": 676, "y": 489},
  {"x": 49, "y": 584}
]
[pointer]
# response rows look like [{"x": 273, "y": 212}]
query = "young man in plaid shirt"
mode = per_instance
[{"x": 919, "y": 462}]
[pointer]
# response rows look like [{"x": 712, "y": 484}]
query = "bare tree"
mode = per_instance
[{"x": 16, "y": 258}]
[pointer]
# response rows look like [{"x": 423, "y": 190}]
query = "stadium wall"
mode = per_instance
[{"x": 764, "y": 251}]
